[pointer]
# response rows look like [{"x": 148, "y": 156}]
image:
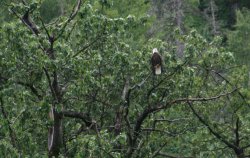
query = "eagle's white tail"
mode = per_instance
[{"x": 158, "y": 70}]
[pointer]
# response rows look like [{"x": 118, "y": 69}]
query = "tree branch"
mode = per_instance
[
  {"x": 228, "y": 82},
  {"x": 245, "y": 147},
  {"x": 237, "y": 139},
  {"x": 171, "y": 156},
  {"x": 158, "y": 150},
  {"x": 71, "y": 17},
  {"x": 97, "y": 38},
  {"x": 28, "y": 85},
  {"x": 180, "y": 100},
  {"x": 217, "y": 135},
  {"x": 50, "y": 83},
  {"x": 12, "y": 134},
  {"x": 27, "y": 21},
  {"x": 151, "y": 109},
  {"x": 83, "y": 116},
  {"x": 86, "y": 46},
  {"x": 46, "y": 30},
  {"x": 127, "y": 103}
]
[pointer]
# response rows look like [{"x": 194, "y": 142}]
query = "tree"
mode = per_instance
[
  {"x": 84, "y": 71},
  {"x": 238, "y": 38}
]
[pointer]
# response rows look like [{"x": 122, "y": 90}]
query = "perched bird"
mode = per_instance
[{"x": 156, "y": 61}]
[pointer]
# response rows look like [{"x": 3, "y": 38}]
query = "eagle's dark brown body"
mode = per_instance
[{"x": 156, "y": 62}]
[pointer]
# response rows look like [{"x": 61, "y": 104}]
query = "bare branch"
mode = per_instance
[
  {"x": 71, "y": 17},
  {"x": 216, "y": 134},
  {"x": 45, "y": 28},
  {"x": 180, "y": 100},
  {"x": 76, "y": 9}
]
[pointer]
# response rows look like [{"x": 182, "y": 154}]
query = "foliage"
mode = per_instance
[{"x": 91, "y": 64}]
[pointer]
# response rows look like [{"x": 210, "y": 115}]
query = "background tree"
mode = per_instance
[{"x": 238, "y": 39}]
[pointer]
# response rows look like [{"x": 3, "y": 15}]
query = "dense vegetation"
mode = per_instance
[{"x": 76, "y": 79}]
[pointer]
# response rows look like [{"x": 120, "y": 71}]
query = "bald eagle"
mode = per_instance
[{"x": 156, "y": 61}]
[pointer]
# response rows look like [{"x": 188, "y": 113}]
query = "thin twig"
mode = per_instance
[{"x": 46, "y": 30}]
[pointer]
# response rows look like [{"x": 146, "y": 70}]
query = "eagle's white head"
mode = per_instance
[{"x": 155, "y": 50}]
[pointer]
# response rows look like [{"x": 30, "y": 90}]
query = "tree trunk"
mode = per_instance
[
  {"x": 239, "y": 153},
  {"x": 214, "y": 25},
  {"x": 55, "y": 134},
  {"x": 233, "y": 7}
]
